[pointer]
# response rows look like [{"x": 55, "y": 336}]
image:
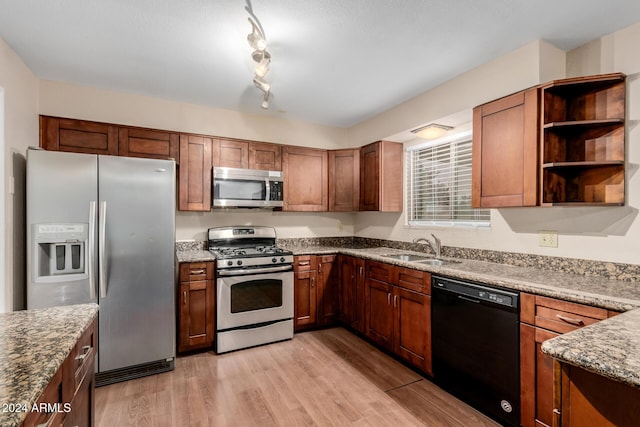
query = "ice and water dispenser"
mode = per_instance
[{"x": 59, "y": 252}]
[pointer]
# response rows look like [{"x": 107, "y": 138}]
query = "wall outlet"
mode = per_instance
[{"x": 548, "y": 239}]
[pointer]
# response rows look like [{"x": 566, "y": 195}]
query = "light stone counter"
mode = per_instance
[{"x": 33, "y": 346}]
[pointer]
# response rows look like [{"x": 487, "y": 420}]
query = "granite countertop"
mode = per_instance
[
  {"x": 610, "y": 348},
  {"x": 33, "y": 346},
  {"x": 195, "y": 255}
]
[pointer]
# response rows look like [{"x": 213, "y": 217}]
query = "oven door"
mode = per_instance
[{"x": 254, "y": 299}]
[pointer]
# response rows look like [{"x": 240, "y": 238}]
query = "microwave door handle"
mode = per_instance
[{"x": 267, "y": 185}]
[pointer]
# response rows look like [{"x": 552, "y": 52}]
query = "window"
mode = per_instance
[{"x": 439, "y": 184}]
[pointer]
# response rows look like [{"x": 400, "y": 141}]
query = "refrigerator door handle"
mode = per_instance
[
  {"x": 91, "y": 250},
  {"x": 102, "y": 261}
]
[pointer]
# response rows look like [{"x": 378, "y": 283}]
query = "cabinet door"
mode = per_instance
[
  {"x": 328, "y": 290},
  {"x": 536, "y": 378},
  {"x": 230, "y": 153},
  {"x": 154, "y": 144},
  {"x": 379, "y": 313},
  {"x": 265, "y": 156},
  {"x": 344, "y": 180},
  {"x": 194, "y": 173},
  {"x": 381, "y": 172},
  {"x": 305, "y": 297},
  {"x": 412, "y": 327},
  {"x": 505, "y": 152},
  {"x": 196, "y": 314},
  {"x": 78, "y": 136},
  {"x": 306, "y": 181}
]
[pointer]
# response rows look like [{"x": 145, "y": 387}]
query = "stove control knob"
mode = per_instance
[
  {"x": 239, "y": 262},
  {"x": 282, "y": 259},
  {"x": 274, "y": 259},
  {"x": 229, "y": 263}
]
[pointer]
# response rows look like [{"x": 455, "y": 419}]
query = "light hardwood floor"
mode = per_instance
[{"x": 324, "y": 378}]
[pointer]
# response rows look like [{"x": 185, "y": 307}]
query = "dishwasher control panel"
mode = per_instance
[{"x": 477, "y": 292}]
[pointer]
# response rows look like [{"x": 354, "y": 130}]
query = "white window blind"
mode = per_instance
[{"x": 439, "y": 184}]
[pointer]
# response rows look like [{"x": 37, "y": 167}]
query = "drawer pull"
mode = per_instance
[
  {"x": 576, "y": 322},
  {"x": 196, "y": 272},
  {"x": 303, "y": 263},
  {"x": 184, "y": 297},
  {"x": 85, "y": 351}
]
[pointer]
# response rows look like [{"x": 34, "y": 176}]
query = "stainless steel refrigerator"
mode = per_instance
[{"x": 102, "y": 229}]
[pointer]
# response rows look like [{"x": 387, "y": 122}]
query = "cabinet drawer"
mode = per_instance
[
  {"x": 413, "y": 280},
  {"x": 196, "y": 271},
  {"x": 561, "y": 316},
  {"x": 83, "y": 354},
  {"x": 51, "y": 395},
  {"x": 378, "y": 271},
  {"x": 305, "y": 263}
]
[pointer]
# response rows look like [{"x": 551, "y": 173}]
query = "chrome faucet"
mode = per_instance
[{"x": 436, "y": 244}]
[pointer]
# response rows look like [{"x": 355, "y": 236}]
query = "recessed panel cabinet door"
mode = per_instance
[
  {"x": 230, "y": 153},
  {"x": 412, "y": 340},
  {"x": 78, "y": 136},
  {"x": 306, "y": 180},
  {"x": 194, "y": 190},
  {"x": 379, "y": 315},
  {"x": 152, "y": 144},
  {"x": 305, "y": 295},
  {"x": 505, "y": 151}
]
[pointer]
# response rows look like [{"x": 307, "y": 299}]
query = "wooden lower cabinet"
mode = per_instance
[
  {"x": 196, "y": 306},
  {"x": 328, "y": 308},
  {"x": 352, "y": 295},
  {"x": 543, "y": 318},
  {"x": 412, "y": 327},
  {"x": 399, "y": 319},
  {"x": 316, "y": 291},
  {"x": 588, "y": 399},
  {"x": 72, "y": 388}
]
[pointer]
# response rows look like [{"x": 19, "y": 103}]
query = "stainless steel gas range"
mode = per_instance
[{"x": 254, "y": 287}]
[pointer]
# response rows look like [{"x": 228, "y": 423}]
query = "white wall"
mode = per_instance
[
  {"x": 599, "y": 233},
  {"x": 20, "y": 131}
]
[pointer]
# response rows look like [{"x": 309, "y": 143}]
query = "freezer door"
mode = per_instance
[
  {"x": 62, "y": 190},
  {"x": 137, "y": 261}
]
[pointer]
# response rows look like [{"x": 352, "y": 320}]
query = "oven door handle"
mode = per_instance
[{"x": 245, "y": 271}]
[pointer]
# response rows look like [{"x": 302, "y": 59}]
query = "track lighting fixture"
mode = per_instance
[{"x": 258, "y": 42}]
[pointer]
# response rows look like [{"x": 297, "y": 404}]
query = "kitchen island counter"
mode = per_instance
[{"x": 33, "y": 346}]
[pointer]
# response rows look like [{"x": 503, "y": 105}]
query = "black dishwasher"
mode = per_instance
[{"x": 476, "y": 346}]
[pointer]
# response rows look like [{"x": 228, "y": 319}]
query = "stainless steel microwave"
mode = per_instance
[{"x": 247, "y": 188}]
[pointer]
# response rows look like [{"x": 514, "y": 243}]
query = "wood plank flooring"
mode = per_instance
[{"x": 320, "y": 378}]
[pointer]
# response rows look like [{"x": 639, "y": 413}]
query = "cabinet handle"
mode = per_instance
[
  {"x": 361, "y": 269},
  {"x": 576, "y": 322},
  {"x": 303, "y": 263},
  {"x": 196, "y": 272},
  {"x": 395, "y": 300},
  {"x": 320, "y": 268},
  {"x": 85, "y": 351},
  {"x": 184, "y": 297},
  {"x": 52, "y": 416},
  {"x": 312, "y": 282},
  {"x": 388, "y": 298}
]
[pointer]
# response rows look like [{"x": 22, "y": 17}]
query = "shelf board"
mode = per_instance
[
  {"x": 579, "y": 204},
  {"x": 582, "y": 123},
  {"x": 588, "y": 164},
  {"x": 579, "y": 83}
]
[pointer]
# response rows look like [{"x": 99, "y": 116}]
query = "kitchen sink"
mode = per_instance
[
  {"x": 410, "y": 257},
  {"x": 422, "y": 259},
  {"x": 437, "y": 262}
]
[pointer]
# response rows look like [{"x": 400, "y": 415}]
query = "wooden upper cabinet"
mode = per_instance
[
  {"x": 583, "y": 141},
  {"x": 381, "y": 177},
  {"x": 78, "y": 136},
  {"x": 154, "y": 144},
  {"x": 265, "y": 156},
  {"x": 344, "y": 180},
  {"x": 194, "y": 188},
  {"x": 230, "y": 153},
  {"x": 306, "y": 181},
  {"x": 505, "y": 151}
]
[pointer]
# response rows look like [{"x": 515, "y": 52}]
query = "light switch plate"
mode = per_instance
[{"x": 548, "y": 239}]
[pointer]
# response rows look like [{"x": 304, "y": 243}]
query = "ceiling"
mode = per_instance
[{"x": 334, "y": 62}]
